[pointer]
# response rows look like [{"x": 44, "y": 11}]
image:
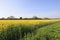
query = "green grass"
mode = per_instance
[
  {"x": 49, "y": 32},
  {"x": 45, "y": 31}
]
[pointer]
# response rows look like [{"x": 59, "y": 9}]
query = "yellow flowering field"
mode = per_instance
[
  {"x": 5, "y": 23},
  {"x": 24, "y": 21},
  {"x": 26, "y": 29}
]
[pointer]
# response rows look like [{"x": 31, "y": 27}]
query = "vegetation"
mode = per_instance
[
  {"x": 29, "y": 30},
  {"x": 21, "y": 18}
]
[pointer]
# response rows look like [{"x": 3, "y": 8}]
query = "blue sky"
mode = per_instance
[{"x": 29, "y": 8}]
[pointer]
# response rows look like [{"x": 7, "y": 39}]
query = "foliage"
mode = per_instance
[{"x": 29, "y": 30}]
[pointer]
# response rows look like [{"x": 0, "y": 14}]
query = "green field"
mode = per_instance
[{"x": 44, "y": 30}]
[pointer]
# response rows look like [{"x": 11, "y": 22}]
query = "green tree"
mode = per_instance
[
  {"x": 20, "y": 17},
  {"x": 11, "y": 17}
]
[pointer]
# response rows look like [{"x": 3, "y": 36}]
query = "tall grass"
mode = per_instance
[
  {"x": 49, "y": 32},
  {"x": 25, "y": 32}
]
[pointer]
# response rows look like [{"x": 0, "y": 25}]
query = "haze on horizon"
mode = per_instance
[{"x": 29, "y": 8}]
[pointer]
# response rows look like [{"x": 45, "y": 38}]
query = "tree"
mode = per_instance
[
  {"x": 25, "y": 18},
  {"x": 11, "y": 17},
  {"x": 46, "y": 18},
  {"x": 2, "y": 18},
  {"x": 20, "y": 17},
  {"x": 34, "y": 17}
]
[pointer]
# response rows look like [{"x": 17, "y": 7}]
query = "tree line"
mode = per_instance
[{"x": 21, "y": 18}]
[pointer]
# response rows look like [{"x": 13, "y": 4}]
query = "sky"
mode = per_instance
[{"x": 30, "y": 8}]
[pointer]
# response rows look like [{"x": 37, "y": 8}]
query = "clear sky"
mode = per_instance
[{"x": 29, "y": 8}]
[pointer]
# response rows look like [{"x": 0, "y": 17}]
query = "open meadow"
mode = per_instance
[{"x": 29, "y": 30}]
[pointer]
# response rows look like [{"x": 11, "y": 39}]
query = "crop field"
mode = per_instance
[{"x": 29, "y": 30}]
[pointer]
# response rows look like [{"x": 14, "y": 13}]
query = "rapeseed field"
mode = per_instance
[{"x": 26, "y": 29}]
